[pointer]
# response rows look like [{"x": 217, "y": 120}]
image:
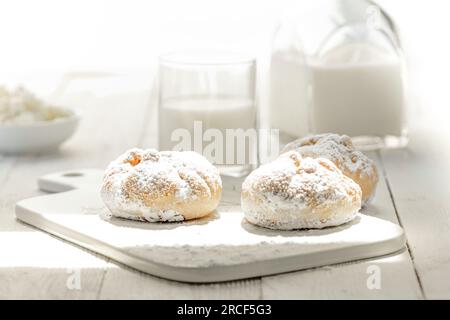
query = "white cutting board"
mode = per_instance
[{"x": 220, "y": 247}]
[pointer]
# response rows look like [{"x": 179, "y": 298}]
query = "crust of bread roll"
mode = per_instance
[
  {"x": 339, "y": 149},
  {"x": 293, "y": 192},
  {"x": 165, "y": 186}
]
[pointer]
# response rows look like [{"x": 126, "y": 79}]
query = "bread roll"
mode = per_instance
[
  {"x": 340, "y": 150},
  {"x": 153, "y": 186},
  {"x": 293, "y": 192}
]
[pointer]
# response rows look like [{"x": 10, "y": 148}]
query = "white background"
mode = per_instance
[{"x": 41, "y": 40}]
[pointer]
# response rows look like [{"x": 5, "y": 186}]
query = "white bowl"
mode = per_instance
[{"x": 37, "y": 137}]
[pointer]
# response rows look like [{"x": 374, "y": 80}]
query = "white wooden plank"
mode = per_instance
[
  {"x": 398, "y": 278},
  {"x": 419, "y": 180},
  {"x": 37, "y": 266},
  {"x": 6, "y": 202},
  {"x": 6, "y": 163},
  {"x": 348, "y": 281},
  {"x": 123, "y": 283},
  {"x": 34, "y": 283}
]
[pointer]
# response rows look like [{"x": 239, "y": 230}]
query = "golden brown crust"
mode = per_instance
[
  {"x": 161, "y": 186},
  {"x": 294, "y": 193}
]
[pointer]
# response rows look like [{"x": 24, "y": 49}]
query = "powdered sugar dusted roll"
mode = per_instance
[
  {"x": 154, "y": 186},
  {"x": 340, "y": 150},
  {"x": 293, "y": 192}
]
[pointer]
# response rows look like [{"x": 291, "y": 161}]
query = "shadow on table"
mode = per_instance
[
  {"x": 251, "y": 228},
  {"x": 126, "y": 223}
]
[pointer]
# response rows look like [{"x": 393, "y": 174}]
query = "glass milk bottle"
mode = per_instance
[
  {"x": 346, "y": 75},
  {"x": 207, "y": 104}
]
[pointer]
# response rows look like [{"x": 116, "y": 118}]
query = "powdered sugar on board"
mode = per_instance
[{"x": 222, "y": 239}]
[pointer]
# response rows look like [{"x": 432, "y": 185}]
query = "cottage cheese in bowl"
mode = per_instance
[
  {"x": 29, "y": 125},
  {"x": 21, "y": 107}
]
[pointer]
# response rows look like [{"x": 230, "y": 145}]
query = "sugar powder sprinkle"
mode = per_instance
[{"x": 139, "y": 178}]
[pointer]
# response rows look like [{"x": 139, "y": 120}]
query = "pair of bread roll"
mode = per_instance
[{"x": 316, "y": 182}]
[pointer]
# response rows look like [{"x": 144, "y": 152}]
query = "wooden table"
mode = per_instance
[{"x": 413, "y": 191}]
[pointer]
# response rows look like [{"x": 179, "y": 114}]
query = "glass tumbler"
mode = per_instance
[{"x": 207, "y": 105}]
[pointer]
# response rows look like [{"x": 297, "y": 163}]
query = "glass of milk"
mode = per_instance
[
  {"x": 343, "y": 72},
  {"x": 207, "y": 104}
]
